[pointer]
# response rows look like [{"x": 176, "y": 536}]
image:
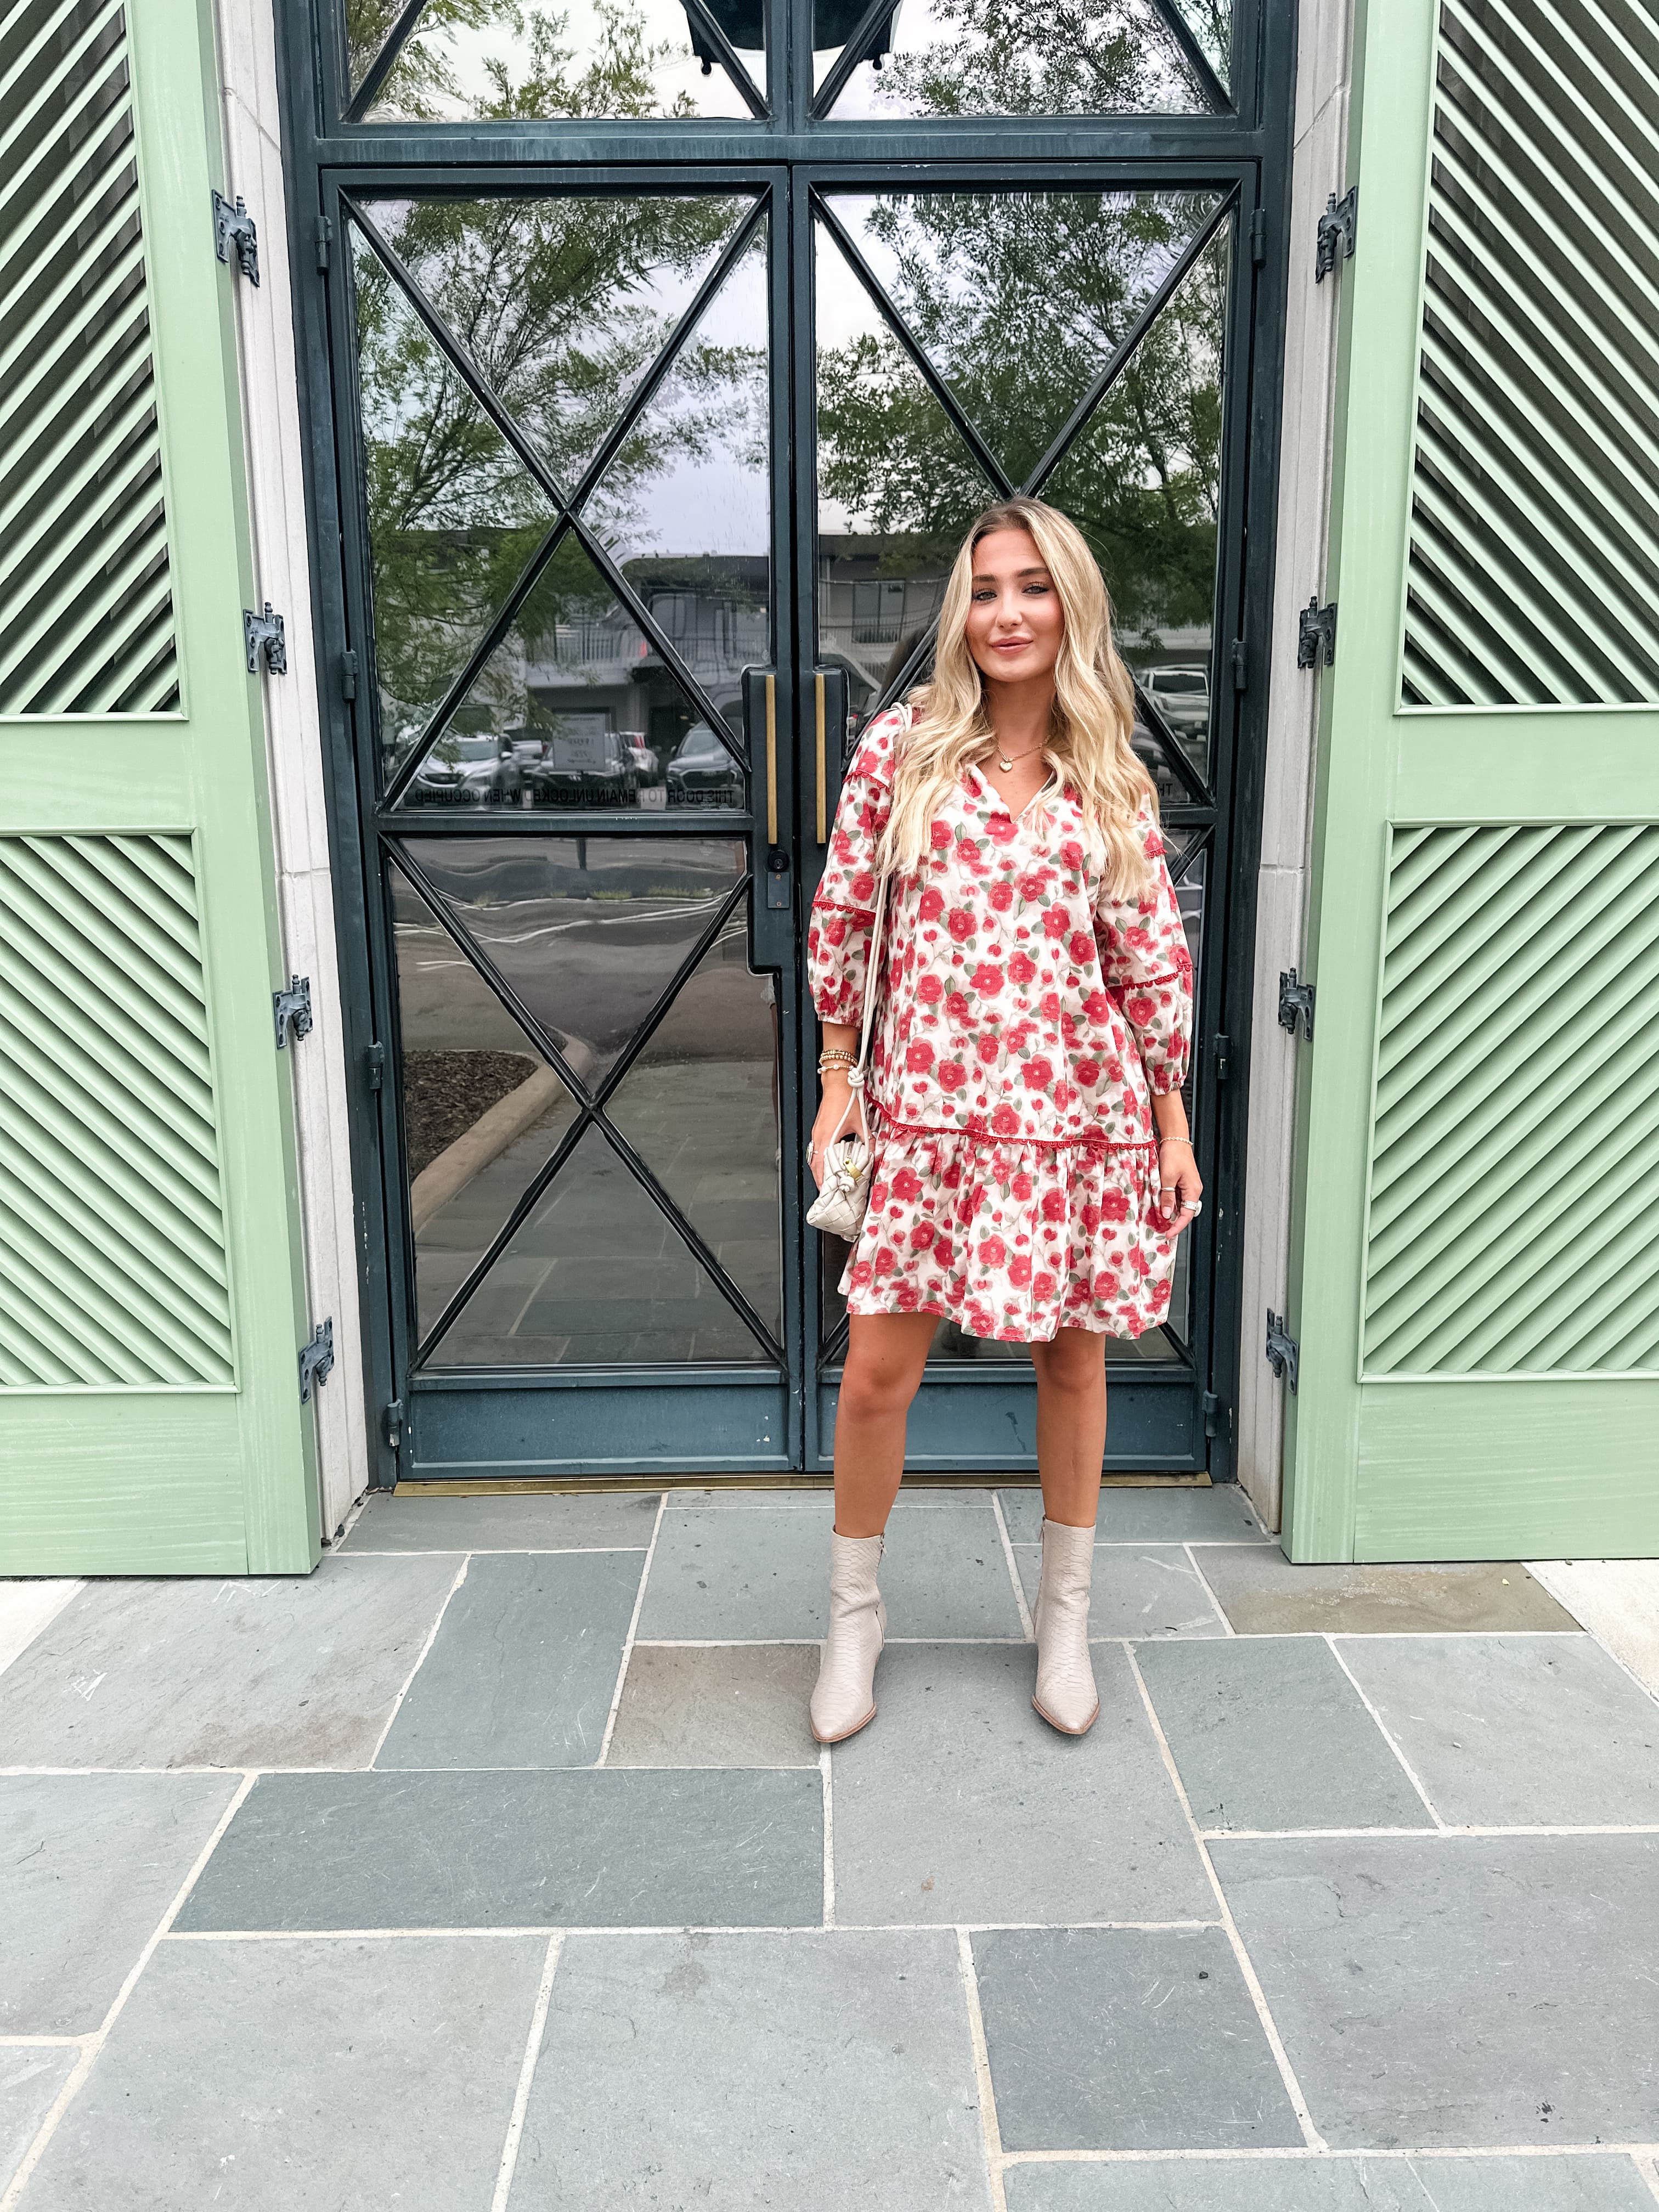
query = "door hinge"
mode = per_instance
[
  {"x": 1259, "y": 237},
  {"x": 1224, "y": 1057},
  {"x": 1333, "y": 239},
  {"x": 1241, "y": 661},
  {"x": 1284, "y": 1352},
  {"x": 233, "y": 230},
  {"x": 394, "y": 1418},
  {"x": 324, "y": 237},
  {"x": 316, "y": 1359},
  {"x": 1315, "y": 634},
  {"x": 348, "y": 675},
  {"x": 375, "y": 1063},
  {"x": 1296, "y": 1004},
  {"x": 1217, "y": 1418},
  {"x": 292, "y": 1008},
  {"x": 265, "y": 640}
]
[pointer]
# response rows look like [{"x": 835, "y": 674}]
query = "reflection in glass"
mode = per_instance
[
  {"x": 897, "y": 488},
  {"x": 483, "y": 1111},
  {"x": 496, "y": 59},
  {"x": 452, "y": 514},
  {"x": 700, "y": 1106},
  {"x": 1143, "y": 484},
  {"x": 1020, "y": 299},
  {"x": 596, "y": 1274},
  {"x": 1075, "y": 57},
  {"x": 587, "y": 932}
]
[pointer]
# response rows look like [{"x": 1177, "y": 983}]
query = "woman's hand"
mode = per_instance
[
  {"x": 1179, "y": 1185},
  {"x": 832, "y": 1105}
]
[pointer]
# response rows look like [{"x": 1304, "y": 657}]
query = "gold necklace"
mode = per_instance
[{"x": 1004, "y": 763}]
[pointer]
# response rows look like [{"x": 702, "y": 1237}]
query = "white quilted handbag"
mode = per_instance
[{"x": 839, "y": 1206}]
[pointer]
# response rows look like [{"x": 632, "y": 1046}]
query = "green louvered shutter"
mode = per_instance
[
  {"x": 150, "y": 1307},
  {"x": 1476, "y": 1283}
]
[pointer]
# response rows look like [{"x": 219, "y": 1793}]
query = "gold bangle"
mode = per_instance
[{"x": 1178, "y": 1141}]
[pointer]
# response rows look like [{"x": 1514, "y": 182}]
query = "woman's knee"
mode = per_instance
[
  {"x": 876, "y": 1382},
  {"x": 1073, "y": 1362}
]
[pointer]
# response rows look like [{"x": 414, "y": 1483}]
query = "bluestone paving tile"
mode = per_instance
[
  {"x": 1126, "y": 2039},
  {"x": 764, "y": 1576},
  {"x": 1520, "y": 1731},
  {"x": 1268, "y": 1732},
  {"x": 1263, "y": 1594},
  {"x": 822, "y": 1499},
  {"x": 579, "y": 1848},
  {"x": 833, "y": 2071},
  {"x": 1574, "y": 2184},
  {"x": 732, "y": 1704},
  {"x": 1139, "y": 1590},
  {"x": 958, "y": 1804},
  {"x": 273, "y": 2075},
  {"x": 1456, "y": 1992},
  {"x": 524, "y": 1667},
  {"x": 269, "y": 1671},
  {"x": 532, "y": 1523},
  {"x": 89, "y": 1864},
  {"x": 30, "y": 2081},
  {"x": 1220, "y": 1515}
]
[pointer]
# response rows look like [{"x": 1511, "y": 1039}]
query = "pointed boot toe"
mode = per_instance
[
  {"x": 844, "y": 1700},
  {"x": 1066, "y": 1695}
]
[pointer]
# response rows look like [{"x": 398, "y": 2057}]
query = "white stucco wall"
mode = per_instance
[
  {"x": 271, "y": 411},
  {"x": 1323, "y": 77}
]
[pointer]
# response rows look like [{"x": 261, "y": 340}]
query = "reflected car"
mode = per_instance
[
  {"x": 702, "y": 773},
  {"x": 1181, "y": 695},
  {"x": 646, "y": 762},
  {"x": 484, "y": 771},
  {"x": 597, "y": 769}
]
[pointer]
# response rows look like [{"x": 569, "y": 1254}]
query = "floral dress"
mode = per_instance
[{"x": 1025, "y": 1016}]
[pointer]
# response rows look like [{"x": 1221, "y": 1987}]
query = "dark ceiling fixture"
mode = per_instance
[{"x": 834, "y": 22}]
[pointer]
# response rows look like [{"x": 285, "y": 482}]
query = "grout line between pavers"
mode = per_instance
[
  {"x": 1387, "y": 1733},
  {"x": 420, "y": 1662},
  {"x": 658, "y": 1928},
  {"x": 1647, "y": 2167},
  {"x": 93, "y": 2043},
  {"x": 486, "y": 1550},
  {"x": 1026, "y": 1621},
  {"x": 990, "y": 2126},
  {"x": 532, "y": 2052},
  {"x": 633, "y": 1624},
  {"x": 1204, "y": 1584},
  {"x": 825, "y": 1771},
  {"x": 1259, "y": 2155},
  {"x": 1311, "y": 2135}
]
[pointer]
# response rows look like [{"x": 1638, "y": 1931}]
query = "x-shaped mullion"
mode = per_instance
[
  {"x": 590, "y": 1107},
  {"x": 936, "y": 384},
  {"x": 398, "y": 36},
  {"x": 850, "y": 56},
  {"x": 568, "y": 516},
  {"x": 1169, "y": 746},
  {"x": 1194, "y": 55}
]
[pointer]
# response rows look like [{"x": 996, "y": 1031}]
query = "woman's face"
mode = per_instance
[{"x": 1015, "y": 620}]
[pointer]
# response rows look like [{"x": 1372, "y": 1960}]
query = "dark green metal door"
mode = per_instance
[{"x": 649, "y": 406}]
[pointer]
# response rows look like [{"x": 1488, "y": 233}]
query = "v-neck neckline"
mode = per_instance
[{"x": 995, "y": 796}]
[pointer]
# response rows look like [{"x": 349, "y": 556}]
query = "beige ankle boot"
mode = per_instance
[
  {"x": 845, "y": 1697},
  {"x": 1066, "y": 1695}
]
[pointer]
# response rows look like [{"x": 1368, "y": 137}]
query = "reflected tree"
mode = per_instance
[{"x": 616, "y": 78}]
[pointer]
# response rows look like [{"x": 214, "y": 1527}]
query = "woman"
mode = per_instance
[{"x": 1031, "y": 1166}]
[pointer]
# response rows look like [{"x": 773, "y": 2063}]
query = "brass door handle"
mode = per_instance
[
  {"x": 771, "y": 761},
  {"x": 821, "y": 712}
]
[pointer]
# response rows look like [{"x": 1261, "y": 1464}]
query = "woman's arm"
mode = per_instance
[
  {"x": 843, "y": 920},
  {"x": 1144, "y": 959}
]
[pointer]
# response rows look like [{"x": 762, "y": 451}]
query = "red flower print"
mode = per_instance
[
  {"x": 1089, "y": 1214},
  {"x": 1081, "y": 948},
  {"x": 1044, "y": 1287},
  {"x": 1105, "y": 1284},
  {"x": 931, "y": 904},
  {"x": 1039, "y": 1074},
  {"x": 1097, "y": 1006},
  {"x": 1114, "y": 1206},
  {"x": 952, "y": 1075},
  {"x": 1001, "y": 896},
  {"x": 1054, "y": 1204},
  {"x": 863, "y": 888},
  {"x": 1005, "y": 1122},
  {"x": 939, "y": 837},
  {"x": 930, "y": 990},
  {"x": 1019, "y": 1270},
  {"x": 1055, "y": 921},
  {"x": 862, "y": 1272},
  {"x": 988, "y": 1048},
  {"x": 960, "y": 923},
  {"x": 907, "y": 1186},
  {"x": 1002, "y": 829},
  {"x": 943, "y": 1252},
  {"x": 1141, "y": 1009},
  {"x": 1021, "y": 968},
  {"x": 919, "y": 1058},
  {"x": 877, "y": 1194},
  {"x": 992, "y": 1252},
  {"x": 885, "y": 1257},
  {"x": 1035, "y": 885},
  {"x": 979, "y": 1322},
  {"x": 1138, "y": 939},
  {"x": 988, "y": 979},
  {"x": 1088, "y": 1074},
  {"x": 921, "y": 1236},
  {"x": 1071, "y": 853},
  {"x": 1022, "y": 1186}
]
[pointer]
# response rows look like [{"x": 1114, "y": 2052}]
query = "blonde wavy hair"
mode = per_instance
[{"x": 1088, "y": 744}]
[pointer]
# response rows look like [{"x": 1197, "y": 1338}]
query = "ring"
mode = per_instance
[{"x": 1195, "y": 1205}]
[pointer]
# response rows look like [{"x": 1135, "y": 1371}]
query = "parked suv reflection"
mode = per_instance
[
  {"x": 487, "y": 771},
  {"x": 702, "y": 773}
]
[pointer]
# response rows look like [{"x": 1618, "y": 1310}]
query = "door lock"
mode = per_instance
[{"x": 777, "y": 879}]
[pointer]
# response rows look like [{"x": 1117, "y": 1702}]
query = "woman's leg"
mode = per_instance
[
  {"x": 1070, "y": 1424},
  {"x": 1071, "y": 1442},
  {"x": 885, "y": 1355}
]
